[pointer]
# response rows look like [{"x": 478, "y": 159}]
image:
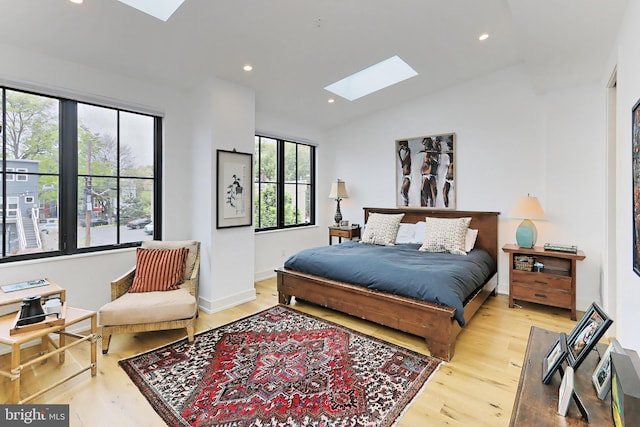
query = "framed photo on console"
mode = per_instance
[
  {"x": 567, "y": 392},
  {"x": 554, "y": 358},
  {"x": 601, "y": 377},
  {"x": 586, "y": 334}
]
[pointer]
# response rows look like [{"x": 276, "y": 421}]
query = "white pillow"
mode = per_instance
[
  {"x": 419, "y": 232},
  {"x": 406, "y": 233},
  {"x": 446, "y": 235},
  {"x": 382, "y": 229},
  {"x": 470, "y": 240}
]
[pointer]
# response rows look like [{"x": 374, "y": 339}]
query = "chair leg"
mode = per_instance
[
  {"x": 190, "y": 332},
  {"x": 106, "y": 339}
]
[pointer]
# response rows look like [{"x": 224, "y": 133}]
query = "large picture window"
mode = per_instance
[
  {"x": 77, "y": 177},
  {"x": 284, "y": 183}
]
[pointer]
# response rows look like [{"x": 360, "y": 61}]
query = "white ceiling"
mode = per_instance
[{"x": 298, "y": 47}]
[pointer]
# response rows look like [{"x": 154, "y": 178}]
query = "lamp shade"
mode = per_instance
[
  {"x": 527, "y": 208},
  {"x": 338, "y": 190}
]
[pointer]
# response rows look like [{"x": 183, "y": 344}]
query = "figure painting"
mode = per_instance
[{"x": 425, "y": 172}]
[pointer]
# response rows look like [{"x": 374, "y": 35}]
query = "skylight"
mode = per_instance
[
  {"x": 161, "y": 9},
  {"x": 372, "y": 79}
]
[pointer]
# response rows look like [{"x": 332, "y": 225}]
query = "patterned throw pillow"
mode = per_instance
[
  {"x": 446, "y": 235},
  {"x": 382, "y": 229},
  {"x": 158, "y": 269}
]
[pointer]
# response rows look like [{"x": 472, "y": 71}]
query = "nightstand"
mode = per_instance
[
  {"x": 554, "y": 285},
  {"x": 346, "y": 232}
]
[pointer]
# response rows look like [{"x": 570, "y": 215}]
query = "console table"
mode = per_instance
[
  {"x": 72, "y": 317},
  {"x": 536, "y": 403}
]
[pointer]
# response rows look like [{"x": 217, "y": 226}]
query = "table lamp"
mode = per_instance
[
  {"x": 527, "y": 208},
  {"x": 338, "y": 192}
]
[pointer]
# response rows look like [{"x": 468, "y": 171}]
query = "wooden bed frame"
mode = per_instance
[{"x": 434, "y": 322}]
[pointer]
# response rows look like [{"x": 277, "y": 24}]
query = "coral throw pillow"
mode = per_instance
[{"x": 158, "y": 269}]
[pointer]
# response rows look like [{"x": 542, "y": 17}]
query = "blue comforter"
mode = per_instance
[{"x": 401, "y": 269}]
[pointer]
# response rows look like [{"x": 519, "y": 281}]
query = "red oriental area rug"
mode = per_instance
[{"x": 280, "y": 367}]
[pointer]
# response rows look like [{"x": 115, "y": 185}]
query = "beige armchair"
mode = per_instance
[{"x": 152, "y": 311}]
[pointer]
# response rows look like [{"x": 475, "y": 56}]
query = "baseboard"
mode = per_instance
[
  {"x": 215, "y": 306},
  {"x": 264, "y": 274}
]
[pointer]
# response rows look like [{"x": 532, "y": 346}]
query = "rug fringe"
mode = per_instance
[{"x": 422, "y": 389}]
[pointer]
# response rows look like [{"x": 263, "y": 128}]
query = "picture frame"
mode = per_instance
[
  {"x": 554, "y": 357},
  {"x": 635, "y": 173},
  {"x": 601, "y": 377},
  {"x": 425, "y": 172},
  {"x": 234, "y": 194},
  {"x": 565, "y": 392},
  {"x": 586, "y": 334}
]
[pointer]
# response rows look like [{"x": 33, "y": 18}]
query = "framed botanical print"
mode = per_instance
[
  {"x": 234, "y": 196},
  {"x": 425, "y": 171}
]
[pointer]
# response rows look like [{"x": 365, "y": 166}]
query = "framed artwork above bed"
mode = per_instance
[{"x": 425, "y": 173}]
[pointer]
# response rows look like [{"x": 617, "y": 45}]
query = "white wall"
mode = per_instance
[
  {"x": 627, "y": 58},
  {"x": 224, "y": 119},
  {"x": 510, "y": 142}
]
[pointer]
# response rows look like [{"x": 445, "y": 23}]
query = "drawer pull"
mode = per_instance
[
  {"x": 542, "y": 282},
  {"x": 540, "y": 295}
]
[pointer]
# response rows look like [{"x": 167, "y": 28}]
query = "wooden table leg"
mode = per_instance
[
  {"x": 61, "y": 343},
  {"x": 44, "y": 347},
  {"x": 94, "y": 344},
  {"x": 15, "y": 372}
]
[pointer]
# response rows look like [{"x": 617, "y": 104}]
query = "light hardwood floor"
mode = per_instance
[{"x": 477, "y": 388}]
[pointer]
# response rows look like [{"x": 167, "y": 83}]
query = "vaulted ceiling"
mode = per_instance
[{"x": 297, "y": 47}]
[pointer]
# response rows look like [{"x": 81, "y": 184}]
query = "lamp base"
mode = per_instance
[
  {"x": 526, "y": 234},
  {"x": 338, "y": 217}
]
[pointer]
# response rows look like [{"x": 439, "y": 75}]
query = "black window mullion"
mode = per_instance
[
  {"x": 68, "y": 182},
  {"x": 259, "y": 187},
  {"x": 3, "y": 205},
  {"x": 280, "y": 184},
  {"x": 157, "y": 181}
]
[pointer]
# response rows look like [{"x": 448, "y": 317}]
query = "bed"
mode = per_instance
[{"x": 438, "y": 324}]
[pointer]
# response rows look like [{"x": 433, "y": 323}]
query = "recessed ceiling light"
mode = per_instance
[
  {"x": 483, "y": 37},
  {"x": 247, "y": 67},
  {"x": 156, "y": 8},
  {"x": 76, "y": 1},
  {"x": 372, "y": 79},
  {"x": 331, "y": 100}
]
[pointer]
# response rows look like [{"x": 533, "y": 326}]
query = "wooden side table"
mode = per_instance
[
  {"x": 346, "y": 232},
  {"x": 16, "y": 297},
  {"x": 73, "y": 316},
  {"x": 555, "y": 285},
  {"x": 536, "y": 404}
]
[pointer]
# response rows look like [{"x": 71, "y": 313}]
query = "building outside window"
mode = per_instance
[
  {"x": 284, "y": 183},
  {"x": 74, "y": 164}
]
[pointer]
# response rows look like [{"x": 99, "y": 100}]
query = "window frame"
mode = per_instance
[
  {"x": 281, "y": 183},
  {"x": 68, "y": 176}
]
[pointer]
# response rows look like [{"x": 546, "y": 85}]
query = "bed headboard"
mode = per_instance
[{"x": 485, "y": 222}]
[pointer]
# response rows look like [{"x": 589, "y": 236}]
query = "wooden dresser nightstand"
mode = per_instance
[
  {"x": 346, "y": 232},
  {"x": 555, "y": 285}
]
